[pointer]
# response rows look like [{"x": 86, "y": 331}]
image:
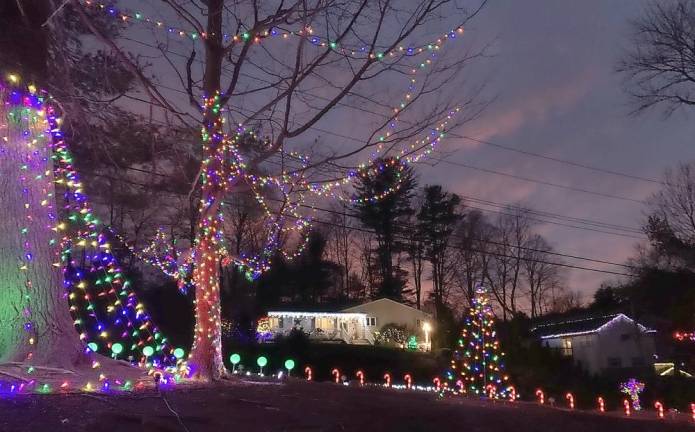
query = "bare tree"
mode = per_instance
[
  {"x": 472, "y": 246},
  {"x": 542, "y": 276},
  {"x": 670, "y": 223},
  {"x": 512, "y": 231},
  {"x": 660, "y": 66},
  {"x": 340, "y": 248},
  {"x": 300, "y": 83}
]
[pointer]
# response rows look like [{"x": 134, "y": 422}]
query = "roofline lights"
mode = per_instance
[{"x": 642, "y": 328}]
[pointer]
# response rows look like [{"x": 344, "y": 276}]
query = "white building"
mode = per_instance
[
  {"x": 354, "y": 325},
  {"x": 600, "y": 343},
  {"x": 323, "y": 326}
]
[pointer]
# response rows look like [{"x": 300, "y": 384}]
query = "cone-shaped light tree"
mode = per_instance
[{"x": 477, "y": 366}]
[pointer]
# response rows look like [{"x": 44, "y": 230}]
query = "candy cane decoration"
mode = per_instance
[
  {"x": 601, "y": 404},
  {"x": 307, "y": 371},
  {"x": 438, "y": 383},
  {"x": 692, "y": 410},
  {"x": 659, "y": 409},
  {"x": 626, "y": 404},
  {"x": 541, "y": 396},
  {"x": 512, "y": 393},
  {"x": 387, "y": 377},
  {"x": 408, "y": 381},
  {"x": 336, "y": 373},
  {"x": 360, "y": 376},
  {"x": 570, "y": 400},
  {"x": 491, "y": 391}
]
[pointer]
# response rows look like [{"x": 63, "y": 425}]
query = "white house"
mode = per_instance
[
  {"x": 385, "y": 311},
  {"x": 354, "y": 325},
  {"x": 324, "y": 326},
  {"x": 600, "y": 343}
]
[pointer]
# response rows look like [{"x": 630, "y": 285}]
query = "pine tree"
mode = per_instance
[
  {"x": 393, "y": 182},
  {"x": 477, "y": 367}
]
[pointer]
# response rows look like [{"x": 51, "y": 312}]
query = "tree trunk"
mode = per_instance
[
  {"x": 206, "y": 354},
  {"x": 35, "y": 322}
]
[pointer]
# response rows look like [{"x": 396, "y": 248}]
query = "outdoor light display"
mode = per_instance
[
  {"x": 129, "y": 17},
  {"x": 478, "y": 361},
  {"x": 104, "y": 306},
  {"x": 684, "y": 336},
  {"x": 633, "y": 388}
]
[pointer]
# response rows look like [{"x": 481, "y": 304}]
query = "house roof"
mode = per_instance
[
  {"x": 383, "y": 300},
  {"x": 580, "y": 326}
]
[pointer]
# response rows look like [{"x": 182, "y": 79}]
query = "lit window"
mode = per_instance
[{"x": 566, "y": 349}]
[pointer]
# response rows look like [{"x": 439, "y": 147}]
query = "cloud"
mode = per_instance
[{"x": 533, "y": 106}]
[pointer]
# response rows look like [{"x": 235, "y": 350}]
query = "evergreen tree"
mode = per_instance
[
  {"x": 477, "y": 367},
  {"x": 384, "y": 193},
  {"x": 437, "y": 219}
]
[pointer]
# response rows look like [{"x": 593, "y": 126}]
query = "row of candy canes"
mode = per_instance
[{"x": 628, "y": 407}]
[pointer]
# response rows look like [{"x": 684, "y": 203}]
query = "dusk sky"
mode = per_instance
[{"x": 557, "y": 94}]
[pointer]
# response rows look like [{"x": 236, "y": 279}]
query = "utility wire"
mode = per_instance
[
  {"x": 405, "y": 227},
  {"x": 460, "y": 164}
]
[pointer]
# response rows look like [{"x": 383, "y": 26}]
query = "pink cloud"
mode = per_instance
[{"x": 533, "y": 107}]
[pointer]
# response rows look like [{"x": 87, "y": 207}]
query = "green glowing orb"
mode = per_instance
[
  {"x": 93, "y": 346},
  {"x": 235, "y": 358},
  {"x": 148, "y": 351},
  {"x": 179, "y": 353},
  {"x": 289, "y": 364},
  {"x": 117, "y": 348},
  {"x": 262, "y": 361}
]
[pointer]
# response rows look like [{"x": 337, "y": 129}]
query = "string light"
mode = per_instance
[
  {"x": 96, "y": 288},
  {"x": 127, "y": 16},
  {"x": 684, "y": 336},
  {"x": 633, "y": 388},
  {"x": 478, "y": 360}
]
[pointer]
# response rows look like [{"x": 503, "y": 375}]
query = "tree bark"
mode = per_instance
[
  {"x": 35, "y": 322},
  {"x": 206, "y": 355}
]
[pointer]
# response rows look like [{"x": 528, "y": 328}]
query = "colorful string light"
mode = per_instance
[
  {"x": 95, "y": 286},
  {"x": 633, "y": 388},
  {"x": 478, "y": 360},
  {"x": 127, "y": 16}
]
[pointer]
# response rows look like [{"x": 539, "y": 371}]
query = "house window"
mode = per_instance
[
  {"x": 566, "y": 349},
  {"x": 418, "y": 323},
  {"x": 371, "y": 321},
  {"x": 281, "y": 322},
  {"x": 615, "y": 362}
]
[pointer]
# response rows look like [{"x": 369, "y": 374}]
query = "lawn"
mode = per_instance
[{"x": 301, "y": 406}]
